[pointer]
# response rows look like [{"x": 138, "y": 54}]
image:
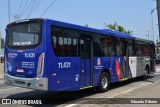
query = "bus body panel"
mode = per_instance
[
  {"x": 73, "y": 72},
  {"x": 100, "y": 64},
  {"x": 63, "y": 72},
  {"x": 21, "y": 65},
  {"x": 62, "y": 76},
  {"x": 138, "y": 65}
]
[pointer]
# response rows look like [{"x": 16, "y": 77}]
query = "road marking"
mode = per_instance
[
  {"x": 1, "y": 81},
  {"x": 1, "y": 76},
  {"x": 71, "y": 105},
  {"x": 124, "y": 92},
  {"x": 157, "y": 73},
  {"x": 8, "y": 89},
  {"x": 127, "y": 91}
]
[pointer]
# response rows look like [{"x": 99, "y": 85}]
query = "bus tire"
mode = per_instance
[
  {"x": 103, "y": 84},
  {"x": 145, "y": 76}
]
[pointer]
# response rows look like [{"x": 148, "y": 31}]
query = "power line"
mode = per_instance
[
  {"x": 38, "y": 3},
  {"x": 31, "y": 8},
  {"x": 28, "y": 7},
  {"x": 25, "y": 5},
  {"x": 20, "y": 6},
  {"x": 48, "y": 8}
]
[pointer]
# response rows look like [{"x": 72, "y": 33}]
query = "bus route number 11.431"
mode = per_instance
[{"x": 64, "y": 65}]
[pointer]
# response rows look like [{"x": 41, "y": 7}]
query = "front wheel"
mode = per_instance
[
  {"x": 103, "y": 82},
  {"x": 145, "y": 76}
]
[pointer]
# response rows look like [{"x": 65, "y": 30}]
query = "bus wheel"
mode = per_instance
[
  {"x": 103, "y": 82},
  {"x": 145, "y": 76}
]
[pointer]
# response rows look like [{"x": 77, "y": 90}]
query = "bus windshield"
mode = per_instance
[{"x": 24, "y": 35}]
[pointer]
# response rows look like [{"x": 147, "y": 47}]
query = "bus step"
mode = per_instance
[
  {"x": 86, "y": 87},
  {"x": 124, "y": 79}
]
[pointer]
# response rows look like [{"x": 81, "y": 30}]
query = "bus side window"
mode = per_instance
[
  {"x": 130, "y": 48},
  {"x": 138, "y": 48},
  {"x": 145, "y": 49},
  {"x": 121, "y": 47},
  {"x": 98, "y": 46},
  {"x": 64, "y": 41},
  {"x": 113, "y": 47},
  {"x": 105, "y": 45},
  {"x": 61, "y": 46},
  {"x": 82, "y": 47}
]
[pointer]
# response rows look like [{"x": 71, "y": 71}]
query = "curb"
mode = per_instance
[{"x": 1, "y": 76}]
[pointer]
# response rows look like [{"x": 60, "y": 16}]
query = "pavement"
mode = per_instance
[{"x": 1, "y": 69}]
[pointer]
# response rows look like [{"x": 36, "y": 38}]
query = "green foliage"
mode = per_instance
[
  {"x": 112, "y": 26},
  {"x": 121, "y": 29},
  {"x": 117, "y": 27},
  {"x": 2, "y": 43}
]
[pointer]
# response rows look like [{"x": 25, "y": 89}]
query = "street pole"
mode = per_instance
[
  {"x": 148, "y": 35},
  {"x": 158, "y": 12},
  {"x": 0, "y": 37},
  {"x": 9, "y": 10},
  {"x": 152, "y": 28}
]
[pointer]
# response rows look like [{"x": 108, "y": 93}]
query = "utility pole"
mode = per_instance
[
  {"x": 152, "y": 28},
  {"x": 0, "y": 37},
  {"x": 9, "y": 10},
  {"x": 158, "y": 12},
  {"x": 147, "y": 34}
]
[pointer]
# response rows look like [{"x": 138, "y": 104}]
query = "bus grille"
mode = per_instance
[{"x": 19, "y": 82}]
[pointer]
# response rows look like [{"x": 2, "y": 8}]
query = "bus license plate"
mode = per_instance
[{"x": 20, "y": 70}]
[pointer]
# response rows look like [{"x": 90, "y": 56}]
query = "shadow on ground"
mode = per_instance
[{"x": 57, "y": 98}]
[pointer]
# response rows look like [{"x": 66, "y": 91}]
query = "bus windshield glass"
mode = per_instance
[{"x": 26, "y": 34}]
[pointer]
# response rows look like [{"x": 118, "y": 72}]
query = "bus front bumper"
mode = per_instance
[{"x": 33, "y": 83}]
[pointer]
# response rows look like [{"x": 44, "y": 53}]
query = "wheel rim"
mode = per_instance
[
  {"x": 104, "y": 82},
  {"x": 146, "y": 73}
]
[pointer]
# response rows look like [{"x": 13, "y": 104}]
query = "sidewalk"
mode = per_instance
[
  {"x": 157, "y": 69},
  {"x": 149, "y": 91},
  {"x": 1, "y": 68}
]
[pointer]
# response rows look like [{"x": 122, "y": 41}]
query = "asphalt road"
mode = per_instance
[{"x": 86, "y": 98}]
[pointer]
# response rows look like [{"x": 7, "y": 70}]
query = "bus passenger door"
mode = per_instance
[
  {"x": 152, "y": 55},
  {"x": 127, "y": 70},
  {"x": 86, "y": 57}
]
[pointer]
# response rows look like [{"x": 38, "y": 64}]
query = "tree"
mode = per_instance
[
  {"x": 130, "y": 32},
  {"x": 2, "y": 43},
  {"x": 112, "y": 26},
  {"x": 117, "y": 27},
  {"x": 121, "y": 29}
]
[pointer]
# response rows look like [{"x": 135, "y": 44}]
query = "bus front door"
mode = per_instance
[{"x": 86, "y": 61}]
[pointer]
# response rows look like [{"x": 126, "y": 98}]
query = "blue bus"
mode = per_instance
[{"x": 51, "y": 55}]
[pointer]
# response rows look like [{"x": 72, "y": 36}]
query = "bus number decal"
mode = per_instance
[
  {"x": 64, "y": 65},
  {"x": 29, "y": 55}
]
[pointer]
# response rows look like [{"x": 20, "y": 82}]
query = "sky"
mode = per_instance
[{"x": 133, "y": 15}]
